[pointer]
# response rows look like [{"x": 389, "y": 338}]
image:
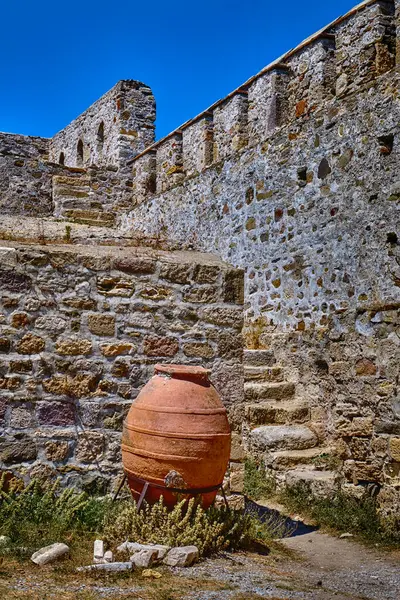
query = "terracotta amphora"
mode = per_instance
[{"x": 176, "y": 437}]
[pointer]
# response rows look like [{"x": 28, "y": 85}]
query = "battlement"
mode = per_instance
[
  {"x": 111, "y": 131},
  {"x": 342, "y": 59}
]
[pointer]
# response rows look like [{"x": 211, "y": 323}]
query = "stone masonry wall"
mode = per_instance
[
  {"x": 301, "y": 190},
  {"x": 25, "y": 176},
  {"x": 80, "y": 330},
  {"x": 112, "y": 131}
]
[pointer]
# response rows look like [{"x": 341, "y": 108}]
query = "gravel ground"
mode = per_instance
[{"x": 314, "y": 566}]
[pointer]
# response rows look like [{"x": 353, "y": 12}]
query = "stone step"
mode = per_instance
[
  {"x": 271, "y": 374},
  {"x": 319, "y": 483},
  {"x": 268, "y": 391},
  {"x": 287, "y": 459},
  {"x": 279, "y": 413},
  {"x": 269, "y": 438},
  {"x": 259, "y": 358}
]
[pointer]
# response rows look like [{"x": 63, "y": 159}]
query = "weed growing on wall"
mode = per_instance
[{"x": 257, "y": 483}]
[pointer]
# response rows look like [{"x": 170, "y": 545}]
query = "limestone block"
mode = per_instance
[
  {"x": 102, "y": 325},
  {"x": 8, "y": 257},
  {"x": 160, "y": 346},
  {"x": 73, "y": 347},
  {"x": 394, "y": 446},
  {"x": 115, "y": 567},
  {"x": 276, "y": 437},
  {"x": 31, "y": 344},
  {"x": 98, "y": 550},
  {"x": 134, "y": 547},
  {"x": 144, "y": 558},
  {"x": 184, "y": 556},
  {"x": 237, "y": 450},
  {"x": 49, "y": 554},
  {"x": 236, "y": 478}
]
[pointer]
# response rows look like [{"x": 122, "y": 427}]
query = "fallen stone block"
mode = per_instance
[
  {"x": 145, "y": 558},
  {"x": 108, "y": 567},
  {"x": 98, "y": 551},
  {"x": 133, "y": 547},
  {"x": 182, "y": 557},
  {"x": 49, "y": 553},
  {"x": 108, "y": 557}
]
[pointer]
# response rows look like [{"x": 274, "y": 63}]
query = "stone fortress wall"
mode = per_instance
[
  {"x": 81, "y": 328},
  {"x": 292, "y": 177}
]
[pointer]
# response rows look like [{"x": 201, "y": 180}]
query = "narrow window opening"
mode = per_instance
[
  {"x": 302, "y": 176},
  {"x": 79, "y": 154},
  {"x": 61, "y": 160},
  {"x": 100, "y": 139},
  {"x": 100, "y": 133},
  {"x": 386, "y": 143}
]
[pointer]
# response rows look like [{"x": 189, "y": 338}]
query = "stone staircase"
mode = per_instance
[{"x": 278, "y": 426}]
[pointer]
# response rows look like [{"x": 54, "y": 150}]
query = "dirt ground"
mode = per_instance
[{"x": 315, "y": 566}]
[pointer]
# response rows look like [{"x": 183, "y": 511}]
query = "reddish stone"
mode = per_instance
[
  {"x": 366, "y": 367},
  {"x": 58, "y": 414},
  {"x": 301, "y": 108},
  {"x": 160, "y": 346}
]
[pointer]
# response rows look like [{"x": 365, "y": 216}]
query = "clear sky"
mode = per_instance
[{"x": 57, "y": 58}]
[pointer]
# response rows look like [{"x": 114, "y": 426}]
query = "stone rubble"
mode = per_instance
[
  {"x": 184, "y": 556},
  {"x": 143, "y": 557},
  {"x": 114, "y": 567},
  {"x": 49, "y": 554}
]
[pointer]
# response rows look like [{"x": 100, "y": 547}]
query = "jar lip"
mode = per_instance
[{"x": 190, "y": 371}]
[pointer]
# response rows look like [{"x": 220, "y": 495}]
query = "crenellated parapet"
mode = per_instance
[{"x": 344, "y": 58}]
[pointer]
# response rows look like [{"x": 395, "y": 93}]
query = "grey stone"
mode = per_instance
[
  {"x": 48, "y": 554},
  {"x": 144, "y": 558},
  {"x": 114, "y": 567},
  {"x": 183, "y": 556},
  {"x": 98, "y": 550},
  {"x": 282, "y": 437}
]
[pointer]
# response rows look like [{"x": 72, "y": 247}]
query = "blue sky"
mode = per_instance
[{"x": 59, "y": 57}]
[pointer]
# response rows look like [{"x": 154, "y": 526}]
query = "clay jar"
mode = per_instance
[{"x": 176, "y": 436}]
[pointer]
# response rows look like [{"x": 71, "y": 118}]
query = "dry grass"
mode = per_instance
[{"x": 22, "y": 580}]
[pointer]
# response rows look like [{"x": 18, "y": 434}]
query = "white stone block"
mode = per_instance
[
  {"x": 49, "y": 553},
  {"x": 182, "y": 557},
  {"x": 98, "y": 549},
  {"x": 145, "y": 558}
]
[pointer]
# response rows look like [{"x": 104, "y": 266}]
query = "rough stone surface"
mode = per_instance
[
  {"x": 144, "y": 558},
  {"x": 115, "y": 567},
  {"x": 68, "y": 373},
  {"x": 277, "y": 437},
  {"x": 292, "y": 178},
  {"x": 184, "y": 556},
  {"x": 49, "y": 554}
]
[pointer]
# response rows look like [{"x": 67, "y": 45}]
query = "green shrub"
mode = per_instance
[
  {"x": 186, "y": 524},
  {"x": 342, "y": 512},
  {"x": 42, "y": 514},
  {"x": 257, "y": 484}
]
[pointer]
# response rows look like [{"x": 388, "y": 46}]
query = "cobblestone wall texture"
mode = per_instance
[
  {"x": 80, "y": 331},
  {"x": 302, "y": 191},
  {"x": 111, "y": 131}
]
